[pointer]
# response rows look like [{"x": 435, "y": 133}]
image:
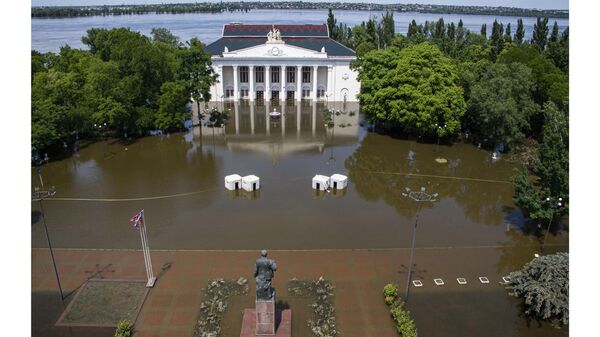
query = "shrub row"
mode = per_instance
[{"x": 404, "y": 323}]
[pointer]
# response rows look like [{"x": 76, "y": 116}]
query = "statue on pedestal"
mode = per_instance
[{"x": 264, "y": 271}]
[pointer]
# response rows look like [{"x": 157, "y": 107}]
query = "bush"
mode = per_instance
[
  {"x": 404, "y": 324},
  {"x": 124, "y": 329}
]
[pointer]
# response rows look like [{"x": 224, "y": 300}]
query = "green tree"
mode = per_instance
[
  {"x": 196, "y": 71},
  {"x": 520, "y": 33},
  {"x": 160, "y": 34},
  {"x": 558, "y": 48},
  {"x": 387, "y": 29},
  {"x": 507, "y": 34},
  {"x": 551, "y": 168},
  {"x": 331, "y": 23},
  {"x": 543, "y": 284},
  {"x": 484, "y": 30},
  {"x": 417, "y": 90},
  {"x": 172, "y": 111},
  {"x": 500, "y": 105},
  {"x": 550, "y": 82},
  {"x": 496, "y": 40},
  {"x": 540, "y": 33}
]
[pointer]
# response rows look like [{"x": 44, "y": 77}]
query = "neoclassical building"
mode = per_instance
[{"x": 279, "y": 62}]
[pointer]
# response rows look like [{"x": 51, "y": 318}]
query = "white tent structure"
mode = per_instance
[
  {"x": 251, "y": 183},
  {"x": 233, "y": 182},
  {"x": 338, "y": 181},
  {"x": 320, "y": 182}
]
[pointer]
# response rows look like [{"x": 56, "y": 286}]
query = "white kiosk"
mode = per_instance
[
  {"x": 338, "y": 181},
  {"x": 250, "y": 183},
  {"x": 320, "y": 182},
  {"x": 233, "y": 182}
]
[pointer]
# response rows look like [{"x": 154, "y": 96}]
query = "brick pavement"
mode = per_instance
[{"x": 359, "y": 276}]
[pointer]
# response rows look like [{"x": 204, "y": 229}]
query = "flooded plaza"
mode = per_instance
[{"x": 473, "y": 228}]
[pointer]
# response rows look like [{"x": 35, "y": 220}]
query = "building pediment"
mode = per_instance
[{"x": 275, "y": 49}]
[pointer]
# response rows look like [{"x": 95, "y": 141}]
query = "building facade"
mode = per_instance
[{"x": 282, "y": 62}]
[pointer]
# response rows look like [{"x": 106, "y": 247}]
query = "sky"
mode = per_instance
[{"x": 541, "y": 4}]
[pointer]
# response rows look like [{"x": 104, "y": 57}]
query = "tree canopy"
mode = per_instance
[
  {"x": 129, "y": 81},
  {"x": 416, "y": 90},
  {"x": 543, "y": 284},
  {"x": 500, "y": 104}
]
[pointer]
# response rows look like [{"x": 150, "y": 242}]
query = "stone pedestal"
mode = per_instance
[
  {"x": 265, "y": 317},
  {"x": 266, "y": 320}
]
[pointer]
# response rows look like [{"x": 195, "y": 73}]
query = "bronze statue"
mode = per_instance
[{"x": 264, "y": 270}]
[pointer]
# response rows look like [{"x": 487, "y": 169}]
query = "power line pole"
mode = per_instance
[
  {"x": 418, "y": 197},
  {"x": 39, "y": 195}
]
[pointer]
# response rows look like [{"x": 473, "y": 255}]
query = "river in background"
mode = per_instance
[{"x": 51, "y": 34}]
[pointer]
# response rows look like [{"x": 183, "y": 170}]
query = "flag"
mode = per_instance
[{"x": 138, "y": 220}]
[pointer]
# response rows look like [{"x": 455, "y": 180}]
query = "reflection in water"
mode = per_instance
[
  {"x": 382, "y": 167},
  {"x": 178, "y": 179}
]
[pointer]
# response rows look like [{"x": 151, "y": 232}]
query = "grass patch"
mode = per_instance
[{"x": 105, "y": 303}]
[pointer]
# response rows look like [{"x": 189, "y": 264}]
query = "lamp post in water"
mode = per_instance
[
  {"x": 419, "y": 197},
  {"x": 39, "y": 196},
  {"x": 555, "y": 206}
]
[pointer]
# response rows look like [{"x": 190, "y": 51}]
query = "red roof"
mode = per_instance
[{"x": 306, "y": 30}]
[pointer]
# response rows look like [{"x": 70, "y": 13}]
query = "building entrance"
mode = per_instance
[{"x": 290, "y": 95}]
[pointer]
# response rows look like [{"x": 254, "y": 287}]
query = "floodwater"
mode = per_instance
[
  {"x": 51, "y": 34},
  {"x": 472, "y": 229},
  {"x": 179, "y": 180}
]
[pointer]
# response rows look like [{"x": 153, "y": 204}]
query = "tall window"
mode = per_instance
[
  {"x": 320, "y": 93},
  {"x": 243, "y": 74},
  {"x": 275, "y": 74},
  {"x": 291, "y": 75},
  {"x": 260, "y": 74},
  {"x": 305, "y": 74}
]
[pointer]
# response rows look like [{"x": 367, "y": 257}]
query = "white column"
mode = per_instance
[
  {"x": 252, "y": 119},
  {"x": 331, "y": 96},
  {"x": 251, "y": 92},
  {"x": 314, "y": 119},
  {"x": 282, "y": 81},
  {"x": 237, "y": 117},
  {"x": 236, "y": 93},
  {"x": 314, "y": 83},
  {"x": 298, "y": 112},
  {"x": 218, "y": 86},
  {"x": 267, "y": 92},
  {"x": 283, "y": 119},
  {"x": 267, "y": 119},
  {"x": 299, "y": 81}
]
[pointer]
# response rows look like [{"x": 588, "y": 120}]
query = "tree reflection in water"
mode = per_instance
[{"x": 381, "y": 167}]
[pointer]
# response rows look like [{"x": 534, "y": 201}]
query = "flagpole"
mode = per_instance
[
  {"x": 151, "y": 278},
  {"x": 144, "y": 250},
  {"x": 139, "y": 222}
]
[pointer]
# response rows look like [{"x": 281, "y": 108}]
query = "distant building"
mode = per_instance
[{"x": 278, "y": 62}]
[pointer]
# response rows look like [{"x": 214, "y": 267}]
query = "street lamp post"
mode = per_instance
[
  {"x": 438, "y": 135},
  {"x": 39, "y": 195},
  {"x": 555, "y": 207},
  {"x": 38, "y": 162},
  {"x": 103, "y": 128},
  {"x": 419, "y": 197}
]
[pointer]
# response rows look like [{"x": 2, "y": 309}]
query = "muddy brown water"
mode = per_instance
[{"x": 178, "y": 180}]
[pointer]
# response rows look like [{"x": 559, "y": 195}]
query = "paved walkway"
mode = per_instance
[{"x": 359, "y": 276}]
